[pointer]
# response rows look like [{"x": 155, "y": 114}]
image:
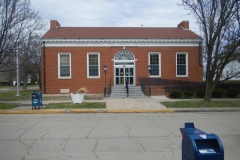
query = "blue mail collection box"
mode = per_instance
[
  {"x": 36, "y": 99},
  {"x": 198, "y": 145}
]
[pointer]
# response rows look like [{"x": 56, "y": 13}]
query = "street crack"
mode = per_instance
[{"x": 92, "y": 128}]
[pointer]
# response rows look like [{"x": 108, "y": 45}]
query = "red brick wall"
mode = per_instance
[
  {"x": 154, "y": 90},
  {"x": 79, "y": 66}
]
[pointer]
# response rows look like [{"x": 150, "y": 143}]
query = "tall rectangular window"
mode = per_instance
[
  {"x": 93, "y": 65},
  {"x": 64, "y": 65},
  {"x": 154, "y": 62},
  {"x": 182, "y": 64}
]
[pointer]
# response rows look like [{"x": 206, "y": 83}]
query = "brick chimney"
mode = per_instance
[
  {"x": 184, "y": 25},
  {"x": 54, "y": 24}
]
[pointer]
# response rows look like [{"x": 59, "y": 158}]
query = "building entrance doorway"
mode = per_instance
[
  {"x": 124, "y": 68},
  {"x": 124, "y": 75}
]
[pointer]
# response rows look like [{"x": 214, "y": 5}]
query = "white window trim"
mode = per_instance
[
  {"x": 93, "y": 53},
  {"x": 186, "y": 64},
  {"x": 159, "y": 56},
  {"x": 59, "y": 54}
]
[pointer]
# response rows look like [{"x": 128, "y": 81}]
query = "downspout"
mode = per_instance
[{"x": 44, "y": 68}]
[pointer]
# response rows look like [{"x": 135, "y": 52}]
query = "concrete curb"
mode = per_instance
[
  {"x": 141, "y": 111},
  {"x": 32, "y": 111},
  {"x": 58, "y": 111},
  {"x": 206, "y": 110}
]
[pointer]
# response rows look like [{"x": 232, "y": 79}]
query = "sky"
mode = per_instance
[{"x": 114, "y": 13}]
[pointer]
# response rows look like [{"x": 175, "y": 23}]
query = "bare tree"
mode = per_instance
[
  {"x": 18, "y": 22},
  {"x": 36, "y": 71},
  {"x": 31, "y": 59},
  {"x": 220, "y": 28}
]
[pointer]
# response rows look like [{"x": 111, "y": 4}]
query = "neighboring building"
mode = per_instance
[
  {"x": 3, "y": 79},
  {"x": 29, "y": 79},
  {"x": 232, "y": 68},
  {"x": 74, "y": 57}
]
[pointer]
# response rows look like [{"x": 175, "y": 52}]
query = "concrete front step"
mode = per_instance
[{"x": 120, "y": 92}]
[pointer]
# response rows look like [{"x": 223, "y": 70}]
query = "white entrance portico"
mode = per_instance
[{"x": 124, "y": 68}]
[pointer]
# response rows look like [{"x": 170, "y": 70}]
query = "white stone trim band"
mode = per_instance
[{"x": 119, "y": 42}]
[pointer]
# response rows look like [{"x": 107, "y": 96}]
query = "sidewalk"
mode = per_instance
[{"x": 124, "y": 105}]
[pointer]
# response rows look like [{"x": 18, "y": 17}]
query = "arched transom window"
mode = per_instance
[{"x": 124, "y": 55}]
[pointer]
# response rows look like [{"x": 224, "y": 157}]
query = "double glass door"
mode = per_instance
[{"x": 123, "y": 75}]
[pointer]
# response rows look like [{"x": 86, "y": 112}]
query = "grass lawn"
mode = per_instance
[
  {"x": 4, "y": 106},
  {"x": 198, "y": 104},
  {"x": 25, "y": 95},
  {"x": 85, "y": 105}
]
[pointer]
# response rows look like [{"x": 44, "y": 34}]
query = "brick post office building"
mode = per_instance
[{"x": 74, "y": 57}]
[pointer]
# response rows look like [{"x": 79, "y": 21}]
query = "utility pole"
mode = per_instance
[{"x": 17, "y": 65}]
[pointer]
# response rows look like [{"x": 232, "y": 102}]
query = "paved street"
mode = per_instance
[{"x": 102, "y": 136}]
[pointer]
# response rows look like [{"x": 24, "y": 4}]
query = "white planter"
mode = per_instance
[{"x": 77, "y": 98}]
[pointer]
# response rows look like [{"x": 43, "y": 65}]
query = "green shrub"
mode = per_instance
[
  {"x": 233, "y": 92},
  {"x": 218, "y": 93},
  {"x": 188, "y": 94},
  {"x": 175, "y": 94},
  {"x": 201, "y": 93}
]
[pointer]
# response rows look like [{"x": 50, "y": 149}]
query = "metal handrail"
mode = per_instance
[
  {"x": 142, "y": 86},
  {"x": 110, "y": 88},
  {"x": 127, "y": 88}
]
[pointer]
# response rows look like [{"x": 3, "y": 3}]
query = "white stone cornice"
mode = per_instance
[{"x": 119, "y": 42}]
